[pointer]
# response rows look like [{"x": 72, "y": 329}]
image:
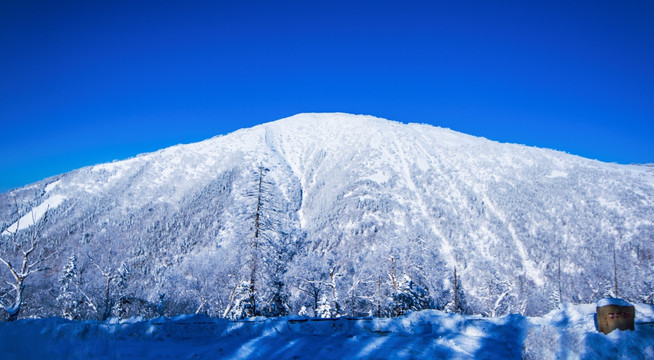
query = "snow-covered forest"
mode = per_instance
[{"x": 329, "y": 215}]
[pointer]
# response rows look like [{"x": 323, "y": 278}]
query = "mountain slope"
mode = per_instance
[{"x": 353, "y": 206}]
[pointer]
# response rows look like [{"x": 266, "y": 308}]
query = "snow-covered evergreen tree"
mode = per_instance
[
  {"x": 325, "y": 309},
  {"x": 124, "y": 301},
  {"x": 242, "y": 307},
  {"x": 410, "y": 297},
  {"x": 67, "y": 298}
]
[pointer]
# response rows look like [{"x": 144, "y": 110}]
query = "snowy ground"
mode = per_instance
[{"x": 565, "y": 333}]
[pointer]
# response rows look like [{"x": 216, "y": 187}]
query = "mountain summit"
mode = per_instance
[{"x": 341, "y": 214}]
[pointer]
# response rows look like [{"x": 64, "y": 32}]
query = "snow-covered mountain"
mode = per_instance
[{"x": 353, "y": 210}]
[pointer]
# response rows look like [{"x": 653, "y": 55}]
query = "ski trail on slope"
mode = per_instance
[
  {"x": 446, "y": 246},
  {"x": 282, "y": 157},
  {"x": 439, "y": 163},
  {"x": 277, "y": 158},
  {"x": 456, "y": 194},
  {"x": 531, "y": 270},
  {"x": 35, "y": 214}
]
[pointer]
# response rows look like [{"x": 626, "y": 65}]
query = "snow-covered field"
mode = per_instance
[{"x": 566, "y": 333}]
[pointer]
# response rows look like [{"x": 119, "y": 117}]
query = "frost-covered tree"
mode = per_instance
[
  {"x": 24, "y": 252},
  {"x": 111, "y": 294},
  {"x": 67, "y": 301},
  {"x": 208, "y": 281},
  {"x": 255, "y": 257},
  {"x": 410, "y": 297},
  {"x": 457, "y": 302},
  {"x": 273, "y": 245},
  {"x": 358, "y": 284},
  {"x": 499, "y": 299},
  {"x": 310, "y": 277},
  {"x": 73, "y": 300},
  {"x": 242, "y": 306},
  {"x": 229, "y": 288},
  {"x": 325, "y": 309},
  {"x": 121, "y": 306}
]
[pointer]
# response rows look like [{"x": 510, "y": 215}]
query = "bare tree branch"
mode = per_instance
[{"x": 31, "y": 250}]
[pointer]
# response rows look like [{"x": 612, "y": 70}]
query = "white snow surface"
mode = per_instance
[
  {"x": 34, "y": 215},
  {"x": 612, "y": 301},
  {"x": 52, "y": 185},
  {"x": 566, "y": 333}
]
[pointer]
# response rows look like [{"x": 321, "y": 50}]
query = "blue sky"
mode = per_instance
[{"x": 85, "y": 82}]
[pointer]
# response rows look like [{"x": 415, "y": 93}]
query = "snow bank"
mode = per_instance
[
  {"x": 568, "y": 332},
  {"x": 612, "y": 301}
]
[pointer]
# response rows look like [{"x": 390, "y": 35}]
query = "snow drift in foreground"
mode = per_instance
[{"x": 568, "y": 332}]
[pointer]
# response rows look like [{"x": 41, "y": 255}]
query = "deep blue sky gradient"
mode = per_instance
[{"x": 85, "y": 82}]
